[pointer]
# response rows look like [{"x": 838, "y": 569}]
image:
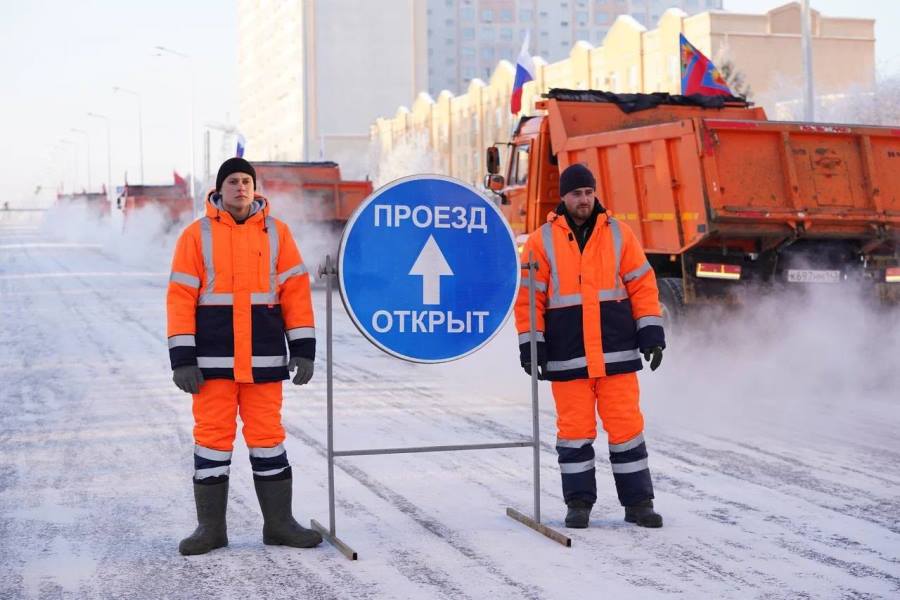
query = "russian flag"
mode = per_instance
[
  {"x": 241, "y": 146},
  {"x": 524, "y": 74}
]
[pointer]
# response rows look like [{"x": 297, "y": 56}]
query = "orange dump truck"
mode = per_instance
[
  {"x": 174, "y": 200},
  {"x": 720, "y": 197},
  {"x": 309, "y": 191},
  {"x": 96, "y": 202}
]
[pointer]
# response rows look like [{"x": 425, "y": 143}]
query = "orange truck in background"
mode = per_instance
[
  {"x": 96, "y": 202},
  {"x": 174, "y": 200},
  {"x": 721, "y": 198},
  {"x": 309, "y": 191}
]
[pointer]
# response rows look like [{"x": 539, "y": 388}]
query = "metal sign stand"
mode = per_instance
[{"x": 329, "y": 272}]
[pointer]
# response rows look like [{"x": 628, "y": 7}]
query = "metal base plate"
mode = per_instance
[
  {"x": 333, "y": 540},
  {"x": 539, "y": 527}
]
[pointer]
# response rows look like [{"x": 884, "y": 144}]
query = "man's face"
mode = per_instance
[
  {"x": 237, "y": 192},
  {"x": 579, "y": 203}
]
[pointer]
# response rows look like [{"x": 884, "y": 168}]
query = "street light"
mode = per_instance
[
  {"x": 108, "y": 154},
  {"x": 190, "y": 63},
  {"x": 88, "y": 142},
  {"x": 140, "y": 126}
]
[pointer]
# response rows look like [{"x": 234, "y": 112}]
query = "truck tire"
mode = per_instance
[{"x": 671, "y": 301}]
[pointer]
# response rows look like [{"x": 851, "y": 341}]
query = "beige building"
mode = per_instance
[
  {"x": 454, "y": 130},
  {"x": 314, "y": 74}
]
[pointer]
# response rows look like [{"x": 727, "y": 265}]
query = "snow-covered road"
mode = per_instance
[{"x": 773, "y": 445}]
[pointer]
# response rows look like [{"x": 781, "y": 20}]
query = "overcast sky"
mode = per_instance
[{"x": 61, "y": 60}]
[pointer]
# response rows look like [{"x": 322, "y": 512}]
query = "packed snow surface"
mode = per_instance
[{"x": 772, "y": 432}]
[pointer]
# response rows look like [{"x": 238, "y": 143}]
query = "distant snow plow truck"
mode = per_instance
[{"x": 720, "y": 197}]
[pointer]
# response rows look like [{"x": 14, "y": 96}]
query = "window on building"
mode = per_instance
[
  {"x": 506, "y": 15},
  {"x": 601, "y": 18},
  {"x": 544, "y": 33},
  {"x": 468, "y": 33},
  {"x": 506, "y": 34},
  {"x": 467, "y": 13},
  {"x": 449, "y": 22},
  {"x": 563, "y": 23},
  {"x": 468, "y": 51},
  {"x": 487, "y": 34},
  {"x": 469, "y": 72},
  {"x": 599, "y": 34},
  {"x": 448, "y": 41},
  {"x": 526, "y": 15},
  {"x": 583, "y": 34},
  {"x": 487, "y": 52},
  {"x": 581, "y": 17},
  {"x": 487, "y": 15}
]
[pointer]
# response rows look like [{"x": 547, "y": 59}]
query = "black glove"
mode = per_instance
[
  {"x": 525, "y": 357},
  {"x": 653, "y": 356},
  {"x": 188, "y": 378},
  {"x": 304, "y": 368}
]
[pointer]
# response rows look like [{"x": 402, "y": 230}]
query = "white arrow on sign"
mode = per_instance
[{"x": 431, "y": 264}]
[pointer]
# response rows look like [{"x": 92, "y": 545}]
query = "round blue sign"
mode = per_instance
[{"x": 428, "y": 269}]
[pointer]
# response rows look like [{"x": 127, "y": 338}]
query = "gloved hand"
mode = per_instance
[
  {"x": 653, "y": 356},
  {"x": 188, "y": 378},
  {"x": 525, "y": 357},
  {"x": 304, "y": 368}
]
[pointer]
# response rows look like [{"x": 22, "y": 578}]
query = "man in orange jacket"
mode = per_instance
[
  {"x": 237, "y": 291},
  {"x": 598, "y": 310}
]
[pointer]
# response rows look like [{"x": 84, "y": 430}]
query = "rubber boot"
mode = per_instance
[
  {"x": 579, "y": 514},
  {"x": 279, "y": 527},
  {"x": 211, "y": 532},
  {"x": 642, "y": 514}
]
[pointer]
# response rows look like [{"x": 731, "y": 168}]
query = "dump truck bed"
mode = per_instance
[{"x": 682, "y": 175}]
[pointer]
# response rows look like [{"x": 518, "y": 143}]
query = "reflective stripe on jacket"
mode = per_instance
[
  {"x": 235, "y": 294},
  {"x": 595, "y": 309}
]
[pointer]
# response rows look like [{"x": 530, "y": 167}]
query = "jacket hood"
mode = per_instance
[{"x": 259, "y": 208}]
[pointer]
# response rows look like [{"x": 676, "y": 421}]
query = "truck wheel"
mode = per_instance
[{"x": 671, "y": 301}]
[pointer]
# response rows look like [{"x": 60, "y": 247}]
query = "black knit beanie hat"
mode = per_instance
[
  {"x": 234, "y": 165},
  {"x": 574, "y": 177}
]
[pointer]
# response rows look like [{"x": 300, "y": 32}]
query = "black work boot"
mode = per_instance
[
  {"x": 579, "y": 514},
  {"x": 280, "y": 528},
  {"x": 211, "y": 532},
  {"x": 642, "y": 514}
]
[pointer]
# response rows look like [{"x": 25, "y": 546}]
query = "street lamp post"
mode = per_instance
[
  {"x": 809, "y": 96},
  {"x": 187, "y": 58},
  {"x": 108, "y": 154},
  {"x": 87, "y": 139},
  {"x": 140, "y": 126}
]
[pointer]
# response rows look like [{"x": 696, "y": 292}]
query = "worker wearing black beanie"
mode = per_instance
[{"x": 594, "y": 311}]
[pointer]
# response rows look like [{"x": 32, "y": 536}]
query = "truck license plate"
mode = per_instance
[{"x": 813, "y": 276}]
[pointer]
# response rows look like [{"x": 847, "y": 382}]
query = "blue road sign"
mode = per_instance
[{"x": 428, "y": 269}]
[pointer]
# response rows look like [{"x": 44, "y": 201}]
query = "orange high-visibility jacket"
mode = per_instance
[
  {"x": 596, "y": 309},
  {"x": 235, "y": 293}
]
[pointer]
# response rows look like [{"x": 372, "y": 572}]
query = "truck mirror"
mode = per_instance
[{"x": 493, "y": 160}]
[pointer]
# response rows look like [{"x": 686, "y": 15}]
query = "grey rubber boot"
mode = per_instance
[
  {"x": 579, "y": 514},
  {"x": 279, "y": 527},
  {"x": 642, "y": 514},
  {"x": 211, "y": 532}
]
